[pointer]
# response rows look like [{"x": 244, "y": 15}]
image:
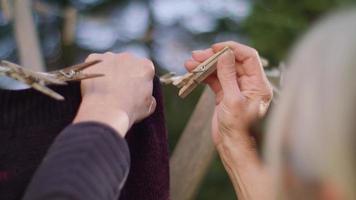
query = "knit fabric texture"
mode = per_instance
[
  {"x": 99, "y": 165},
  {"x": 30, "y": 121}
]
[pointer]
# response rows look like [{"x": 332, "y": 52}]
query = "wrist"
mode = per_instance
[
  {"x": 99, "y": 111},
  {"x": 244, "y": 167},
  {"x": 239, "y": 149}
]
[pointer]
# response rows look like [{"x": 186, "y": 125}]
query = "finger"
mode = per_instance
[
  {"x": 109, "y": 53},
  {"x": 212, "y": 80},
  {"x": 94, "y": 56},
  {"x": 191, "y": 64},
  {"x": 149, "y": 68},
  {"x": 149, "y": 107},
  {"x": 213, "y": 83},
  {"x": 198, "y": 57},
  {"x": 226, "y": 72},
  {"x": 202, "y": 55},
  {"x": 245, "y": 52},
  {"x": 247, "y": 56}
]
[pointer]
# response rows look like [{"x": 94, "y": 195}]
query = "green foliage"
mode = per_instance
[
  {"x": 274, "y": 25},
  {"x": 216, "y": 184}
]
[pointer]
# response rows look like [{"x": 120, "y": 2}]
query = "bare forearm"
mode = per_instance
[
  {"x": 100, "y": 111},
  {"x": 247, "y": 174}
]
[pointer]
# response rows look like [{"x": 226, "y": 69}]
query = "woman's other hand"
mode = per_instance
[
  {"x": 243, "y": 93},
  {"x": 242, "y": 90},
  {"x": 123, "y": 96}
]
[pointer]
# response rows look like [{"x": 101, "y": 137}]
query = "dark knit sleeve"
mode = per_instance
[{"x": 86, "y": 161}]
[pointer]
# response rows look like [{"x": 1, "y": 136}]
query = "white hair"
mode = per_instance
[{"x": 313, "y": 128}]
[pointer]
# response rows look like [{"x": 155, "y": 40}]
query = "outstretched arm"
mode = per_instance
[
  {"x": 242, "y": 94},
  {"x": 89, "y": 160}
]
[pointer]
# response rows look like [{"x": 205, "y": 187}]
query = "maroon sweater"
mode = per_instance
[{"x": 30, "y": 123}]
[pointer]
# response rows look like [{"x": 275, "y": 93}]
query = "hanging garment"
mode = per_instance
[{"x": 30, "y": 121}]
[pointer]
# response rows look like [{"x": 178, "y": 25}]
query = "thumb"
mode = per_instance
[
  {"x": 226, "y": 71},
  {"x": 148, "y": 109},
  {"x": 152, "y": 107}
]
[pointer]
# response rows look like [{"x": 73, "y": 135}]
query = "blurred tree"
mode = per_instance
[{"x": 274, "y": 25}]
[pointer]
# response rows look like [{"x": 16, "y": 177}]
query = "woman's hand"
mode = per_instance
[
  {"x": 123, "y": 96},
  {"x": 242, "y": 90},
  {"x": 243, "y": 93}
]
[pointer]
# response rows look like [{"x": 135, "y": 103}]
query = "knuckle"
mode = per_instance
[
  {"x": 109, "y": 53},
  {"x": 153, "y": 105},
  {"x": 231, "y": 42},
  {"x": 270, "y": 93},
  {"x": 233, "y": 101},
  {"x": 268, "y": 89},
  {"x": 148, "y": 68},
  {"x": 148, "y": 62},
  {"x": 126, "y": 55},
  {"x": 254, "y": 55},
  {"x": 93, "y": 56},
  {"x": 148, "y": 99},
  {"x": 254, "y": 52}
]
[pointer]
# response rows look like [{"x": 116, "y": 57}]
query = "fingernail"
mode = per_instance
[{"x": 228, "y": 58}]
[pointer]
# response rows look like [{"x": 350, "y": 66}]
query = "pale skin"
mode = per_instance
[
  {"x": 243, "y": 94},
  {"x": 124, "y": 96},
  {"x": 120, "y": 98}
]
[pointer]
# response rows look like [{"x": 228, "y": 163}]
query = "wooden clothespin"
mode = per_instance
[
  {"x": 188, "y": 82},
  {"x": 74, "y": 73},
  {"x": 40, "y": 80}
]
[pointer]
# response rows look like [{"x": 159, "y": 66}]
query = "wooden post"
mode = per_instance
[
  {"x": 194, "y": 151},
  {"x": 70, "y": 22},
  {"x": 26, "y": 36},
  {"x": 6, "y": 9}
]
